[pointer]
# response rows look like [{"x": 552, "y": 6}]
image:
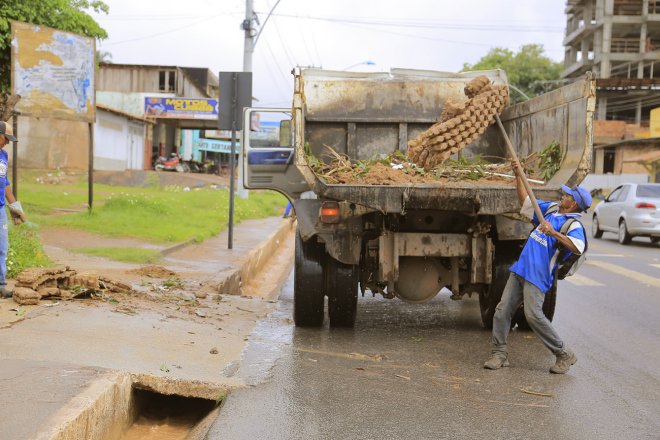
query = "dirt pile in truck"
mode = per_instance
[{"x": 460, "y": 124}]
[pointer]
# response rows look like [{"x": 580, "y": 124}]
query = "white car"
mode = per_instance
[{"x": 632, "y": 209}]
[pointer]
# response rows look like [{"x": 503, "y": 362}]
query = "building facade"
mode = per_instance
[
  {"x": 125, "y": 87},
  {"x": 619, "y": 41}
]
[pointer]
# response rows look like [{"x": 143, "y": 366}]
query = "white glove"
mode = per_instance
[{"x": 17, "y": 214}]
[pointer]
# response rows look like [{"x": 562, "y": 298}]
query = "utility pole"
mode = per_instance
[
  {"x": 248, "y": 45},
  {"x": 248, "y": 50},
  {"x": 251, "y": 38}
]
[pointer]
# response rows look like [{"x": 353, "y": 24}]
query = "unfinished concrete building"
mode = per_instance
[{"x": 619, "y": 41}]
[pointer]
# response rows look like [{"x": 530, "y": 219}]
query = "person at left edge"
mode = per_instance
[{"x": 6, "y": 198}]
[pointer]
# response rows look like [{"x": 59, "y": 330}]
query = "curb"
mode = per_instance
[
  {"x": 232, "y": 282},
  {"x": 102, "y": 408},
  {"x": 176, "y": 247}
]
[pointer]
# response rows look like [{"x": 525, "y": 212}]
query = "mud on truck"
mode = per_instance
[{"x": 410, "y": 240}]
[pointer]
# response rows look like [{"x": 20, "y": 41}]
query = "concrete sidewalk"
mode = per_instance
[{"x": 190, "y": 345}]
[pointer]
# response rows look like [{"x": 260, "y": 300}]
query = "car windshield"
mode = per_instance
[{"x": 652, "y": 191}]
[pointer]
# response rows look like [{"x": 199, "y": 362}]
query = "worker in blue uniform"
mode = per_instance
[{"x": 534, "y": 273}]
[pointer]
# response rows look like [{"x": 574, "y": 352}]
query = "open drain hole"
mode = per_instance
[{"x": 163, "y": 417}]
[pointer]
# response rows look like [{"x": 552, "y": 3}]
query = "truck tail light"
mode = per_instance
[
  {"x": 329, "y": 212},
  {"x": 644, "y": 205}
]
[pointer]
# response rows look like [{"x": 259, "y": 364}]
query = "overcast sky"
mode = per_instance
[{"x": 333, "y": 34}]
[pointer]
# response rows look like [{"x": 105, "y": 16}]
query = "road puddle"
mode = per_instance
[{"x": 161, "y": 417}]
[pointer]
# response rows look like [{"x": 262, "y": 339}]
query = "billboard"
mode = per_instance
[
  {"x": 53, "y": 71},
  {"x": 181, "y": 108}
]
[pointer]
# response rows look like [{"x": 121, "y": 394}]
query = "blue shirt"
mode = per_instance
[
  {"x": 4, "y": 181},
  {"x": 540, "y": 256}
]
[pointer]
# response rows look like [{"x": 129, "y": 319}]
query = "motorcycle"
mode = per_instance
[{"x": 173, "y": 164}]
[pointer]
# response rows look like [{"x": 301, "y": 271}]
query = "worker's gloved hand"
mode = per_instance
[{"x": 17, "y": 214}]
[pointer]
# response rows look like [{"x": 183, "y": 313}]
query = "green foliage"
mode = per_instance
[
  {"x": 154, "y": 214},
  {"x": 24, "y": 250},
  {"x": 550, "y": 160},
  {"x": 66, "y": 15},
  {"x": 173, "y": 283},
  {"x": 125, "y": 254},
  {"x": 529, "y": 69}
]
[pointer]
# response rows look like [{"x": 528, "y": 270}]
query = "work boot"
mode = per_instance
[
  {"x": 496, "y": 362},
  {"x": 564, "y": 362},
  {"x": 5, "y": 293}
]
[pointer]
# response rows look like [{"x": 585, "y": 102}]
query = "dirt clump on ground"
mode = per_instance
[
  {"x": 153, "y": 271},
  {"x": 458, "y": 126},
  {"x": 35, "y": 284}
]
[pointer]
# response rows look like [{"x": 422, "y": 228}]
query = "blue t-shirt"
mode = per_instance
[
  {"x": 4, "y": 181},
  {"x": 540, "y": 256}
]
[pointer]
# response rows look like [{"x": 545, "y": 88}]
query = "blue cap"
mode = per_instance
[{"x": 581, "y": 196}]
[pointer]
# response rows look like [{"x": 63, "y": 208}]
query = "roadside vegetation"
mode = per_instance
[
  {"x": 153, "y": 214},
  {"x": 25, "y": 250}
]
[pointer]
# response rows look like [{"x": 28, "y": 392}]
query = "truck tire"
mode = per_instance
[
  {"x": 548, "y": 309},
  {"x": 308, "y": 293},
  {"x": 490, "y": 296},
  {"x": 341, "y": 285}
]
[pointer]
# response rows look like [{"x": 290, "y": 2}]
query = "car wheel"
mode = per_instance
[
  {"x": 624, "y": 236},
  {"x": 655, "y": 240},
  {"x": 596, "y": 232}
]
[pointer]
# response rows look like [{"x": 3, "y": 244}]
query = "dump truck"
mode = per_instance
[{"x": 406, "y": 241}]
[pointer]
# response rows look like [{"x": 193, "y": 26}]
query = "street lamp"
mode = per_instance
[{"x": 366, "y": 63}]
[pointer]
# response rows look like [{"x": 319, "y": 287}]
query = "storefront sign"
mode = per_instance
[{"x": 181, "y": 108}]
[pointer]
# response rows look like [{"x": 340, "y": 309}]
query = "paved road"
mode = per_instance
[{"x": 410, "y": 371}]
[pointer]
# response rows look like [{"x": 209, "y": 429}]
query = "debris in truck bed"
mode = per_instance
[
  {"x": 396, "y": 170},
  {"x": 459, "y": 125}
]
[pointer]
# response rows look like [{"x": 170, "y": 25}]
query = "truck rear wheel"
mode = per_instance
[
  {"x": 341, "y": 285},
  {"x": 548, "y": 309},
  {"x": 491, "y": 295},
  {"x": 308, "y": 293}
]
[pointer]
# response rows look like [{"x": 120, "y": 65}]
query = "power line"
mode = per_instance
[
  {"x": 443, "y": 40},
  {"x": 146, "y": 37},
  {"x": 430, "y": 24}
]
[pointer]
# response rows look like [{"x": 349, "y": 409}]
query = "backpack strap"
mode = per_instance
[{"x": 567, "y": 225}]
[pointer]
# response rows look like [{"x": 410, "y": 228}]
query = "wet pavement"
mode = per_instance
[{"x": 410, "y": 371}]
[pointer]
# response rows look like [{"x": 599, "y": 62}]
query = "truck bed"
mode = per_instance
[{"x": 364, "y": 115}]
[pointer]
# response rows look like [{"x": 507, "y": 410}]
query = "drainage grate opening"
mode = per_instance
[{"x": 163, "y": 417}]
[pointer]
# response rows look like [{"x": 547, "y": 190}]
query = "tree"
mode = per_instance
[
  {"x": 529, "y": 70},
  {"x": 65, "y": 15},
  {"x": 103, "y": 57}
]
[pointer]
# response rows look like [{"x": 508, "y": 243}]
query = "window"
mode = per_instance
[
  {"x": 167, "y": 81},
  {"x": 648, "y": 191},
  {"x": 624, "y": 193},
  {"x": 608, "y": 160},
  {"x": 614, "y": 195}
]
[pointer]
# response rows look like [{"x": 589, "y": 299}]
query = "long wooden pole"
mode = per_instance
[{"x": 516, "y": 168}]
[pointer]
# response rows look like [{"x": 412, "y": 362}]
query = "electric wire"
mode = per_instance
[
  {"x": 277, "y": 65},
  {"x": 427, "y": 24},
  {"x": 146, "y": 37}
]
